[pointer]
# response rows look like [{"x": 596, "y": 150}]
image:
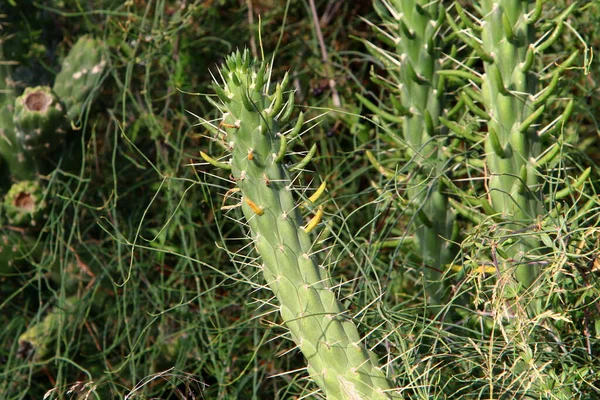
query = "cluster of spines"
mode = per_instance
[{"x": 252, "y": 122}]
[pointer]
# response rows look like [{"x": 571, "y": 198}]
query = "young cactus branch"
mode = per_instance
[{"x": 319, "y": 325}]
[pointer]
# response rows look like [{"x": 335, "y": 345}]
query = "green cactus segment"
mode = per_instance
[
  {"x": 512, "y": 145},
  {"x": 23, "y": 203},
  {"x": 38, "y": 340},
  {"x": 414, "y": 29},
  {"x": 40, "y": 121},
  {"x": 79, "y": 75},
  {"x": 254, "y": 121}
]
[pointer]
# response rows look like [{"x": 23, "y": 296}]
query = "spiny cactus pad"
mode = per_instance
[
  {"x": 79, "y": 75},
  {"x": 24, "y": 202},
  {"x": 254, "y": 114},
  {"x": 40, "y": 120}
]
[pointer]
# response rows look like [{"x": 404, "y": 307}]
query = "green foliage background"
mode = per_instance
[{"x": 140, "y": 268}]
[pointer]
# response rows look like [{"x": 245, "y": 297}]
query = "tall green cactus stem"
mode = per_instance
[
  {"x": 413, "y": 28},
  {"x": 79, "y": 75},
  {"x": 508, "y": 90},
  {"x": 253, "y": 119},
  {"x": 40, "y": 121}
]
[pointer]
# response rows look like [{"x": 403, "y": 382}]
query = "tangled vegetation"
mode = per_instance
[{"x": 387, "y": 199}]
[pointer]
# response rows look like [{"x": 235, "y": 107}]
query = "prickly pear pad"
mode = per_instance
[{"x": 254, "y": 117}]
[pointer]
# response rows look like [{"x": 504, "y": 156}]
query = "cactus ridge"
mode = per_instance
[
  {"x": 79, "y": 75},
  {"x": 254, "y": 117}
]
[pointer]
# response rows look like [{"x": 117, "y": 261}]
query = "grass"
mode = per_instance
[{"x": 139, "y": 258}]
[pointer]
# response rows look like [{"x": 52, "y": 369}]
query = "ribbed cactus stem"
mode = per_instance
[
  {"x": 414, "y": 26},
  {"x": 254, "y": 117},
  {"x": 512, "y": 146}
]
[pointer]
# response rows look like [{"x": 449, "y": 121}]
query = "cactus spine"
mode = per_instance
[
  {"x": 413, "y": 29},
  {"x": 253, "y": 121}
]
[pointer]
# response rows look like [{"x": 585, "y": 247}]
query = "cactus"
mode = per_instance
[
  {"x": 513, "y": 103},
  {"x": 40, "y": 121},
  {"x": 413, "y": 29},
  {"x": 24, "y": 203},
  {"x": 79, "y": 75},
  {"x": 37, "y": 341},
  {"x": 253, "y": 120}
]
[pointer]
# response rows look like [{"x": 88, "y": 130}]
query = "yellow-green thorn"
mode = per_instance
[
  {"x": 496, "y": 77},
  {"x": 312, "y": 224},
  {"x": 561, "y": 194},
  {"x": 531, "y": 119},
  {"x": 296, "y": 130},
  {"x": 288, "y": 108},
  {"x": 549, "y": 156},
  {"x": 306, "y": 159},
  {"x": 378, "y": 111},
  {"x": 282, "y": 149},
  {"x": 315, "y": 196},
  {"x": 552, "y": 39},
  {"x": 275, "y": 107},
  {"x": 474, "y": 108},
  {"x": 214, "y": 162},
  {"x": 543, "y": 96},
  {"x": 495, "y": 142},
  {"x": 454, "y": 73}
]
